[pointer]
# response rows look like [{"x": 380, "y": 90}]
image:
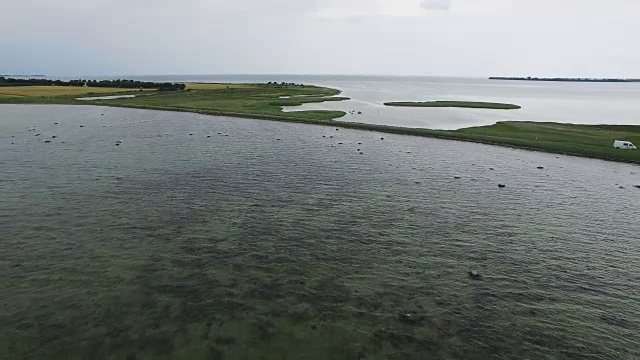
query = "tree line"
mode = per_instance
[{"x": 123, "y": 84}]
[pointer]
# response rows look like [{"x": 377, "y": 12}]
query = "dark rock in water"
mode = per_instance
[
  {"x": 361, "y": 153},
  {"x": 638, "y": 186},
  {"x": 331, "y": 137},
  {"x": 359, "y": 112},
  {"x": 417, "y": 182},
  {"x": 622, "y": 320},
  {"x": 219, "y": 133},
  {"x": 337, "y": 129},
  {"x": 47, "y": 141},
  {"x": 208, "y": 136},
  {"x": 502, "y": 185},
  {"x": 457, "y": 177},
  {"x": 359, "y": 143},
  {"x": 540, "y": 167},
  {"x": 412, "y": 318},
  {"x": 37, "y": 134},
  {"x": 279, "y": 139},
  {"x": 190, "y": 134},
  {"x": 104, "y": 126},
  {"x": 226, "y": 135},
  {"x": 324, "y": 136},
  {"x": 81, "y": 125},
  {"x": 339, "y": 143},
  {"x": 357, "y": 149},
  {"x": 55, "y": 123},
  {"x": 475, "y": 275},
  {"x": 491, "y": 169},
  {"x": 53, "y": 136},
  {"x": 381, "y": 138},
  {"x": 621, "y": 187},
  {"x": 62, "y": 142}
]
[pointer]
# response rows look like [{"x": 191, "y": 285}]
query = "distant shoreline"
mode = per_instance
[{"x": 528, "y": 78}]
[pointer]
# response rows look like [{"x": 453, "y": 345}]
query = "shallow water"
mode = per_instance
[{"x": 207, "y": 236}]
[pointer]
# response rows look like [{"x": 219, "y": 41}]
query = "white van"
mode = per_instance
[{"x": 623, "y": 145}]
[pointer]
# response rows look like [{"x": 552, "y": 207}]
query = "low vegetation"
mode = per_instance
[{"x": 458, "y": 104}]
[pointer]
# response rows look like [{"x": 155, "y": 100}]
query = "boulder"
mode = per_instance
[
  {"x": 475, "y": 275},
  {"x": 411, "y": 318}
]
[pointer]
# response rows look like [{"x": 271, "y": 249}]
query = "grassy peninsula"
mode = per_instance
[
  {"x": 265, "y": 101},
  {"x": 456, "y": 104}
]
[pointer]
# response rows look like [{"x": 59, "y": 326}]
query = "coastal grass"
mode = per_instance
[
  {"x": 56, "y": 91},
  {"x": 584, "y": 140},
  {"x": 457, "y": 104}
]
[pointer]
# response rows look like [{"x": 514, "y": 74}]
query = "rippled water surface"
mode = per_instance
[{"x": 140, "y": 234}]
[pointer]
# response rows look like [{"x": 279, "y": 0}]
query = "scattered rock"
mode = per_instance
[
  {"x": 359, "y": 112},
  {"x": 475, "y": 275},
  {"x": 502, "y": 185}
]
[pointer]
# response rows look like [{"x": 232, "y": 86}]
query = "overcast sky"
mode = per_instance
[{"x": 397, "y": 37}]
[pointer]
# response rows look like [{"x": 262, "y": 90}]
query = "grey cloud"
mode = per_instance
[{"x": 443, "y": 5}]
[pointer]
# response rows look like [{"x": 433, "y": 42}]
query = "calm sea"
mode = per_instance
[{"x": 133, "y": 234}]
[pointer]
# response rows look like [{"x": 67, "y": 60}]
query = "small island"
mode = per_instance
[{"x": 457, "y": 104}]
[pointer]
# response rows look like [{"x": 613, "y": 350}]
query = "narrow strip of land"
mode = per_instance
[
  {"x": 265, "y": 101},
  {"x": 456, "y": 104},
  {"x": 560, "y": 79}
]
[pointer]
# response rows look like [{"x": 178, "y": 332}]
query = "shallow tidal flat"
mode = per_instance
[{"x": 144, "y": 234}]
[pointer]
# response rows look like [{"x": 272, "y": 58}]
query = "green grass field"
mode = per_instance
[
  {"x": 586, "y": 140},
  {"x": 458, "y": 104},
  {"x": 262, "y": 101}
]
